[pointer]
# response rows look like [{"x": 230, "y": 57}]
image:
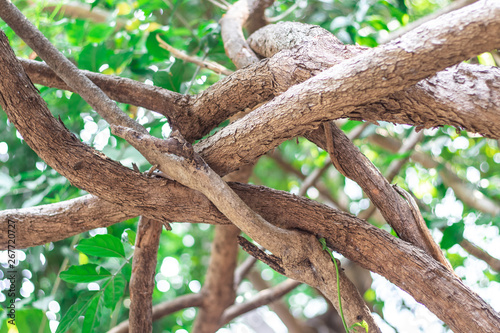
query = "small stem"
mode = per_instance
[{"x": 325, "y": 248}]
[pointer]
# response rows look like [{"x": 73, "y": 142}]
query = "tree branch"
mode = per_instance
[
  {"x": 231, "y": 24},
  {"x": 264, "y": 297},
  {"x": 219, "y": 290},
  {"x": 462, "y": 189},
  {"x": 65, "y": 68},
  {"x": 397, "y": 211},
  {"x": 49, "y": 223},
  {"x": 347, "y": 85},
  {"x": 304, "y": 261},
  {"x": 164, "y": 309},
  {"x": 395, "y": 167},
  {"x": 479, "y": 253},
  {"x": 213, "y": 66},
  {"x": 142, "y": 281}
]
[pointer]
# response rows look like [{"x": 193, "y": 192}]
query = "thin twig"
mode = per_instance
[
  {"x": 212, "y": 65},
  {"x": 262, "y": 298},
  {"x": 218, "y": 4},
  {"x": 285, "y": 13},
  {"x": 164, "y": 309}
]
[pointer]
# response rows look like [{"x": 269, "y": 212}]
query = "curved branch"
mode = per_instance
[
  {"x": 397, "y": 211},
  {"x": 337, "y": 91},
  {"x": 451, "y": 102},
  {"x": 231, "y": 24},
  {"x": 50, "y": 223}
]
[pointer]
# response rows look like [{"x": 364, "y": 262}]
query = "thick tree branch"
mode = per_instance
[
  {"x": 396, "y": 210},
  {"x": 142, "y": 281},
  {"x": 379, "y": 244},
  {"x": 421, "y": 105},
  {"x": 304, "y": 261},
  {"x": 231, "y": 24},
  {"x": 336, "y": 92},
  {"x": 49, "y": 223},
  {"x": 170, "y": 104},
  {"x": 219, "y": 290}
]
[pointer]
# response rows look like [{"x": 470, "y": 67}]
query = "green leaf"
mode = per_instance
[
  {"x": 100, "y": 32},
  {"x": 84, "y": 273},
  {"x": 452, "y": 235},
  {"x": 76, "y": 310},
  {"x": 127, "y": 271},
  {"x": 30, "y": 320},
  {"x": 172, "y": 79},
  {"x": 92, "y": 314},
  {"x": 93, "y": 56},
  {"x": 102, "y": 246},
  {"x": 130, "y": 236},
  {"x": 114, "y": 290},
  {"x": 153, "y": 46}
]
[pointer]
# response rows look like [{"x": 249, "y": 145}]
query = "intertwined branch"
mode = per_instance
[{"x": 329, "y": 81}]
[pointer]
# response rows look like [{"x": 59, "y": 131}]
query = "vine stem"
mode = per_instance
[{"x": 325, "y": 248}]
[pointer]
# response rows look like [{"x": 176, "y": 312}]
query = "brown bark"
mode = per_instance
[
  {"x": 479, "y": 253},
  {"x": 142, "y": 281},
  {"x": 407, "y": 277},
  {"x": 450, "y": 103},
  {"x": 396, "y": 210},
  {"x": 355, "y": 81},
  {"x": 218, "y": 290},
  {"x": 231, "y": 24},
  {"x": 305, "y": 261}
]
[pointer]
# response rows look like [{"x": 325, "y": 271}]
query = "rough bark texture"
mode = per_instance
[
  {"x": 374, "y": 249},
  {"x": 356, "y": 81},
  {"x": 218, "y": 290},
  {"x": 394, "y": 208},
  {"x": 142, "y": 280},
  {"x": 477, "y": 110},
  {"x": 377, "y": 253}
]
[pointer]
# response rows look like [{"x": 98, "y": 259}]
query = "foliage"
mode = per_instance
[{"x": 97, "y": 271}]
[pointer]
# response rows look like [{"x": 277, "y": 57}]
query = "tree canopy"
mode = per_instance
[{"x": 254, "y": 166}]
